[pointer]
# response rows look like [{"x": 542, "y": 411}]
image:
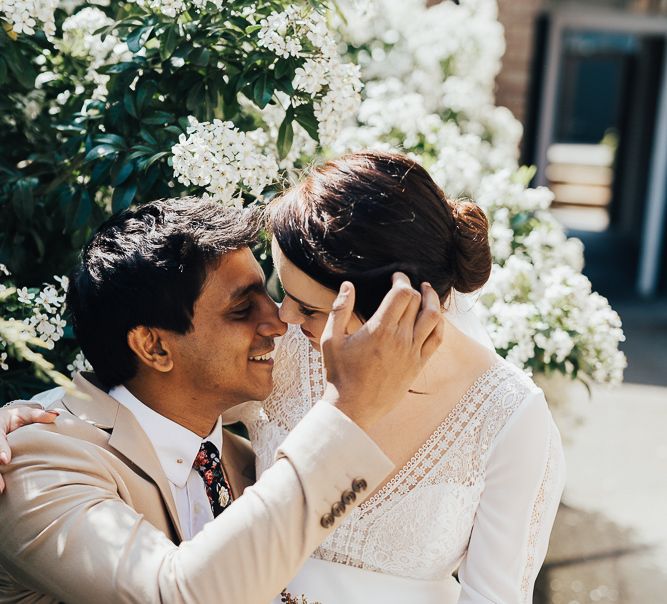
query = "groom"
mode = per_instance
[{"x": 120, "y": 500}]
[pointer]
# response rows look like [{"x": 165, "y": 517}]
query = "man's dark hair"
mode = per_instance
[{"x": 147, "y": 266}]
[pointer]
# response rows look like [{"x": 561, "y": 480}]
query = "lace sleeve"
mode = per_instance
[{"x": 525, "y": 475}]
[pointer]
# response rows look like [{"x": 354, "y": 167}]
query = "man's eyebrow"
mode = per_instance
[
  {"x": 302, "y": 302},
  {"x": 257, "y": 287}
]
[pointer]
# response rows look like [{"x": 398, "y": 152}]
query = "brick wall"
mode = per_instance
[{"x": 518, "y": 19}]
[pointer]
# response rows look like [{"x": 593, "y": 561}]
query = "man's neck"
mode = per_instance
[{"x": 180, "y": 407}]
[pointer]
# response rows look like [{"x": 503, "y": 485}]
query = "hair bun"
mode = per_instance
[{"x": 472, "y": 253}]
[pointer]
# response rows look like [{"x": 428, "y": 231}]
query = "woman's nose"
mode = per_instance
[{"x": 289, "y": 312}]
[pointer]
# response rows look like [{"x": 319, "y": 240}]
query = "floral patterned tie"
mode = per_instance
[{"x": 208, "y": 464}]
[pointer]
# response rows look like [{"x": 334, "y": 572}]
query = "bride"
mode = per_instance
[{"x": 481, "y": 464}]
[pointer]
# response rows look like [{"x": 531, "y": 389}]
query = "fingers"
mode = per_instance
[
  {"x": 397, "y": 301},
  {"x": 4, "y": 457},
  {"x": 341, "y": 313},
  {"x": 27, "y": 415},
  {"x": 18, "y": 417},
  {"x": 429, "y": 318},
  {"x": 433, "y": 341}
]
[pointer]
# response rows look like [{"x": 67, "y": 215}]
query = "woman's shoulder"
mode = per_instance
[{"x": 509, "y": 394}]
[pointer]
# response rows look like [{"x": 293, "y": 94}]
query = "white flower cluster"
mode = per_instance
[
  {"x": 47, "y": 306},
  {"x": 25, "y": 15},
  {"x": 552, "y": 320},
  {"x": 40, "y": 311},
  {"x": 173, "y": 8},
  {"x": 429, "y": 75},
  {"x": 79, "y": 363},
  {"x": 285, "y": 33},
  {"x": 226, "y": 161},
  {"x": 333, "y": 84},
  {"x": 79, "y": 40},
  {"x": 341, "y": 101}
]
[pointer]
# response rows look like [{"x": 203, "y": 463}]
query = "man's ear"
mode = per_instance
[{"x": 151, "y": 348}]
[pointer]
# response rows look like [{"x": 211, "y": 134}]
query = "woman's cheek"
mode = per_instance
[{"x": 315, "y": 325}]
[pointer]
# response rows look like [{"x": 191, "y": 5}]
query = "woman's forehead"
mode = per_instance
[{"x": 300, "y": 286}]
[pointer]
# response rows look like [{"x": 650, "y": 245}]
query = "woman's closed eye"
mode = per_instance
[{"x": 307, "y": 312}]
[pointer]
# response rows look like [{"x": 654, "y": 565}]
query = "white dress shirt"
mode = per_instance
[{"x": 176, "y": 448}]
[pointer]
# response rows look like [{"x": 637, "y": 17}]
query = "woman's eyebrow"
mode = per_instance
[{"x": 302, "y": 302}]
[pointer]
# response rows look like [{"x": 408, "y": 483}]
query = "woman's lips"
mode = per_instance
[{"x": 306, "y": 333}]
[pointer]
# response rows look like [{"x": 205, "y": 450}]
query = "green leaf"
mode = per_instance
[
  {"x": 286, "y": 86},
  {"x": 200, "y": 57},
  {"x": 83, "y": 210},
  {"x": 169, "y": 42},
  {"x": 119, "y": 67},
  {"x": 240, "y": 22},
  {"x": 99, "y": 152},
  {"x": 111, "y": 139},
  {"x": 39, "y": 243},
  {"x": 23, "y": 200},
  {"x": 194, "y": 98},
  {"x": 121, "y": 172},
  {"x": 262, "y": 91},
  {"x": 21, "y": 67},
  {"x": 138, "y": 154},
  {"x": 251, "y": 29},
  {"x": 285, "y": 135},
  {"x": 3, "y": 71},
  {"x": 155, "y": 158},
  {"x": 305, "y": 116},
  {"x": 123, "y": 196},
  {"x": 145, "y": 93},
  {"x": 134, "y": 40},
  {"x": 175, "y": 130},
  {"x": 100, "y": 172},
  {"x": 281, "y": 69},
  {"x": 129, "y": 103},
  {"x": 147, "y": 136},
  {"x": 159, "y": 118}
]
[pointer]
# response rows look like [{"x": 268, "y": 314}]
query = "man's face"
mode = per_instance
[{"x": 234, "y": 324}]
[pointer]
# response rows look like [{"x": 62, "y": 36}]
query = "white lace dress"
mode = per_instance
[{"x": 479, "y": 496}]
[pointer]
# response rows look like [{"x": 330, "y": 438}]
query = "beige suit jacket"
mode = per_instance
[{"x": 88, "y": 515}]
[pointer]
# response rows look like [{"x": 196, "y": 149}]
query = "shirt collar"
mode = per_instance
[{"x": 176, "y": 446}]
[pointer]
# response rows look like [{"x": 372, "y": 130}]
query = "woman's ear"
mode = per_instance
[{"x": 150, "y": 348}]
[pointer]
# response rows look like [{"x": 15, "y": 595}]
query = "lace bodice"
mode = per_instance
[{"x": 480, "y": 494}]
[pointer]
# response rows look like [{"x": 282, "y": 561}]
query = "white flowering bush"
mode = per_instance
[
  {"x": 107, "y": 104},
  {"x": 429, "y": 77},
  {"x": 32, "y": 322}
]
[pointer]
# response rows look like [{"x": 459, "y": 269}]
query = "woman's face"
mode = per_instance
[{"x": 307, "y": 303}]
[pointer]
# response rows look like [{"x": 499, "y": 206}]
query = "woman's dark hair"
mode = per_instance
[
  {"x": 147, "y": 266},
  {"x": 366, "y": 215}
]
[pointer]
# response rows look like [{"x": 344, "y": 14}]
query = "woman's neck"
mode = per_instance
[{"x": 450, "y": 361}]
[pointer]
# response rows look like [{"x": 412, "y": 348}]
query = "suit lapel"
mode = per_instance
[
  {"x": 127, "y": 437},
  {"x": 238, "y": 462}
]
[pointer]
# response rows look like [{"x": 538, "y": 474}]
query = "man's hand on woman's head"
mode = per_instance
[
  {"x": 12, "y": 418},
  {"x": 371, "y": 370}
]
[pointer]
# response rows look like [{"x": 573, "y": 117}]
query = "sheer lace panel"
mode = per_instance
[{"x": 547, "y": 498}]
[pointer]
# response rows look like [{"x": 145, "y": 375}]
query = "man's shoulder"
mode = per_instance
[{"x": 68, "y": 433}]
